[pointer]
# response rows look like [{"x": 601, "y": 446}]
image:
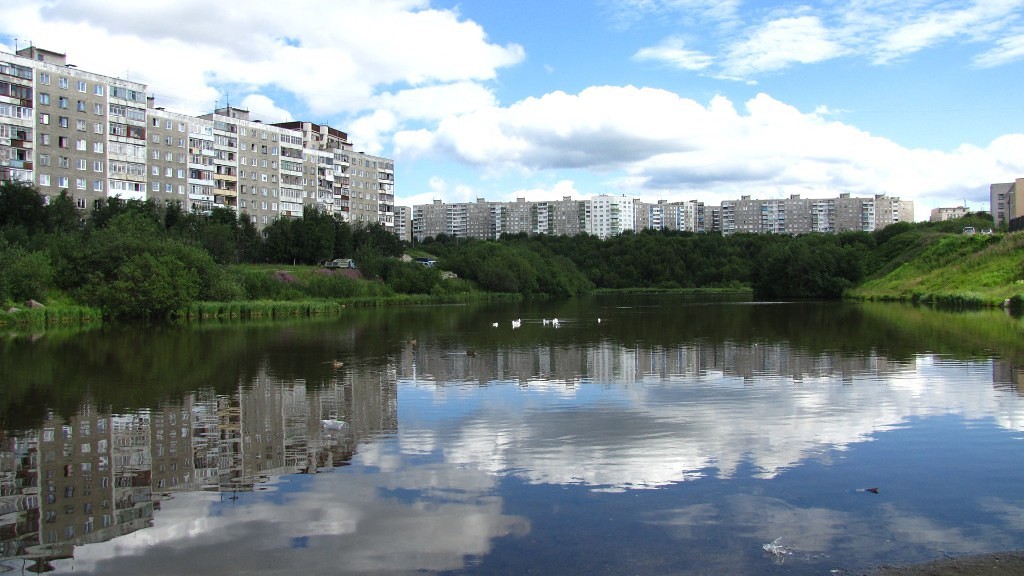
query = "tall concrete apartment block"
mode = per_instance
[
  {"x": 62, "y": 128},
  {"x": 403, "y": 223},
  {"x": 686, "y": 216},
  {"x": 607, "y": 215},
  {"x": 1006, "y": 201},
  {"x": 372, "y": 189},
  {"x": 100, "y": 137}
]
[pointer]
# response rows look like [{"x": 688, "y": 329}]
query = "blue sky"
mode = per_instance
[{"x": 656, "y": 99}]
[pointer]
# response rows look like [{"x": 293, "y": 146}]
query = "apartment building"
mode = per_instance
[
  {"x": 565, "y": 217},
  {"x": 75, "y": 131},
  {"x": 100, "y": 137},
  {"x": 1006, "y": 201},
  {"x": 403, "y": 223},
  {"x": 429, "y": 220},
  {"x": 607, "y": 215},
  {"x": 683, "y": 216},
  {"x": 372, "y": 184},
  {"x": 17, "y": 121},
  {"x": 947, "y": 213},
  {"x": 309, "y": 173},
  {"x": 1015, "y": 204},
  {"x": 175, "y": 155}
]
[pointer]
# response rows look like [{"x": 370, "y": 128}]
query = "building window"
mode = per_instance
[
  {"x": 82, "y": 86},
  {"x": 44, "y": 78},
  {"x": 80, "y": 183},
  {"x": 80, "y": 125},
  {"x": 156, "y": 186},
  {"x": 81, "y": 164},
  {"x": 44, "y": 118},
  {"x": 97, "y": 147},
  {"x": 62, "y": 82},
  {"x": 44, "y": 98},
  {"x": 97, "y": 128},
  {"x": 97, "y": 166},
  {"x": 44, "y": 139},
  {"x": 62, "y": 102},
  {"x": 98, "y": 89},
  {"x": 97, "y": 109},
  {"x": 97, "y": 185},
  {"x": 62, "y": 121},
  {"x": 81, "y": 145},
  {"x": 62, "y": 182},
  {"x": 44, "y": 179},
  {"x": 81, "y": 106},
  {"x": 62, "y": 141}
]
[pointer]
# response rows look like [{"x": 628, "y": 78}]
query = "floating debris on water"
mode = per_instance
[{"x": 777, "y": 549}]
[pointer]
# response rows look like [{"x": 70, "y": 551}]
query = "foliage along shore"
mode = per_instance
[
  {"x": 138, "y": 260},
  {"x": 950, "y": 270}
]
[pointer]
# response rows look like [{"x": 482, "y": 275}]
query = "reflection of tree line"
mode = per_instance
[{"x": 94, "y": 476}]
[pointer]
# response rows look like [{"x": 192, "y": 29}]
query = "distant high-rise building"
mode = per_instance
[
  {"x": 403, "y": 223},
  {"x": 608, "y": 215},
  {"x": 943, "y": 214}
]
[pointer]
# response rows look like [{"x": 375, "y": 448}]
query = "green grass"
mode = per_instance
[
  {"x": 54, "y": 316},
  {"x": 954, "y": 270}
]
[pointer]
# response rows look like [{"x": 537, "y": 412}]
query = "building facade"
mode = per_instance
[
  {"x": 948, "y": 213},
  {"x": 98, "y": 137},
  {"x": 606, "y": 216}
]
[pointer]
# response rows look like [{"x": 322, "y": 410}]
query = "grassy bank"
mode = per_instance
[
  {"x": 956, "y": 270},
  {"x": 58, "y": 316},
  {"x": 312, "y": 308}
]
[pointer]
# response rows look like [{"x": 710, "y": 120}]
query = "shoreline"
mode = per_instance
[{"x": 1003, "y": 563}]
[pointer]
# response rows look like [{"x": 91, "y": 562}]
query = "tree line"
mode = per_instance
[
  {"x": 135, "y": 258},
  {"x": 139, "y": 259}
]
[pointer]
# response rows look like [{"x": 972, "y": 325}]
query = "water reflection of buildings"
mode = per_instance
[
  {"x": 1008, "y": 375},
  {"x": 93, "y": 477},
  {"x": 608, "y": 362}
]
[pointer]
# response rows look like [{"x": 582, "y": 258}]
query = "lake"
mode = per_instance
[{"x": 642, "y": 435}]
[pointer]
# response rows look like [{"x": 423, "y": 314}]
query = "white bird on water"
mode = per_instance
[
  {"x": 517, "y": 323},
  {"x": 495, "y": 324},
  {"x": 554, "y": 322}
]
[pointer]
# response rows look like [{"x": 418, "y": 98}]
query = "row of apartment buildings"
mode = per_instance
[
  {"x": 100, "y": 137},
  {"x": 607, "y": 215}
]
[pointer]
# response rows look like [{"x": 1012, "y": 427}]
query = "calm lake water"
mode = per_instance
[{"x": 639, "y": 435}]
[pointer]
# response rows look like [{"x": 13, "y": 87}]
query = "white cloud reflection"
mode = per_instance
[
  {"x": 332, "y": 523},
  {"x": 658, "y": 431}
]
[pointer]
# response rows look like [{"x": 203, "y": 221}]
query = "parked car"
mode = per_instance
[{"x": 969, "y": 230}]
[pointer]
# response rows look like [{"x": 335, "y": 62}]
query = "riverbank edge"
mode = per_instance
[
  {"x": 947, "y": 300},
  {"x": 992, "y": 563}
]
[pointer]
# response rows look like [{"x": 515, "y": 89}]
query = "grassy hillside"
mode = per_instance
[{"x": 947, "y": 268}]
